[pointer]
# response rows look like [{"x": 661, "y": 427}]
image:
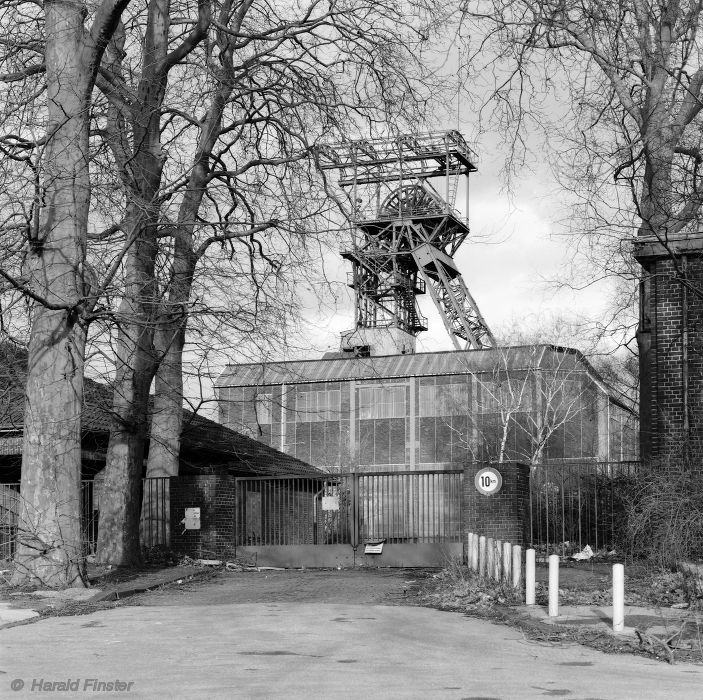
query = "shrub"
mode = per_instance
[{"x": 664, "y": 514}]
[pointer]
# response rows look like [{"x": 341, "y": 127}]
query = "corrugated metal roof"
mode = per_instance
[
  {"x": 417, "y": 365},
  {"x": 427, "y": 364}
]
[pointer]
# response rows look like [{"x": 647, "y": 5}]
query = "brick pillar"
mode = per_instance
[
  {"x": 670, "y": 339},
  {"x": 503, "y": 515},
  {"x": 215, "y": 496}
]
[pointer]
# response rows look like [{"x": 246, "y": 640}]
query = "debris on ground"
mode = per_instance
[{"x": 584, "y": 555}]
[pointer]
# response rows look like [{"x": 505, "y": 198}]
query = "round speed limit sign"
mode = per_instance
[{"x": 488, "y": 481}]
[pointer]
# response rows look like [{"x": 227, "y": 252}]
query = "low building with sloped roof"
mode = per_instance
[{"x": 206, "y": 446}]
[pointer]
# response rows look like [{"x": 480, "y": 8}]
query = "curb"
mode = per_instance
[{"x": 134, "y": 587}]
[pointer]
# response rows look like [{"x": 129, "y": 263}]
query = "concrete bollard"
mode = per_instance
[
  {"x": 618, "y": 597},
  {"x": 498, "y": 561},
  {"x": 507, "y": 561},
  {"x": 530, "y": 577},
  {"x": 481, "y": 556},
  {"x": 517, "y": 565},
  {"x": 553, "y": 585},
  {"x": 469, "y": 540},
  {"x": 490, "y": 556},
  {"x": 474, "y": 554}
]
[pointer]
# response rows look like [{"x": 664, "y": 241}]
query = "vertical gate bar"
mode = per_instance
[
  {"x": 433, "y": 480},
  {"x": 363, "y": 506},
  {"x": 394, "y": 517},
  {"x": 580, "y": 507},
  {"x": 285, "y": 497},
  {"x": 394, "y": 513},
  {"x": 355, "y": 509},
  {"x": 264, "y": 513},
  {"x": 421, "y": 507},
  {"x": 421, "y": 510},
  {"x": 391, "y": 507},
  {"x": 437, "y": 509},
  {"x": 387, "y": 509},
  {"x": 429, "y": 507},
  {"x": 388, "y": 514},
  {"x": 531, "y": 543},
  {"x": 563, "y": 531},
  {"x": 595, "y": 488},
  {"x": 383, "y": 510},
  {"x": 378, "y": 486},
  {"x": 612, "y": 506},
  {"x": 370, "y": 506},
  {"x": 425, "y": 524},
  {"x": 546, "y": 510},
  {"x": 411, "y": 511}
]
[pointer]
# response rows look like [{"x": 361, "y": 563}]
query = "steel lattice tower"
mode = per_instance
[{"x": 403, "y": 193}]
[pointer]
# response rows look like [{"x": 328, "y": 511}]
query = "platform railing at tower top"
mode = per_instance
[{"x": 574, "y": 504}]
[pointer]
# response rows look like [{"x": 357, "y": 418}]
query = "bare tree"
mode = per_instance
[
  {"x": 533, "y": 397},
  {"x": 50, "y": 61}
]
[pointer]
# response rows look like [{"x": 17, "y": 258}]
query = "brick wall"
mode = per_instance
[
  {"x": 215, "y": 495},
  {"x": 504, "y": 515},
  {"x": 671, "y": 357}
]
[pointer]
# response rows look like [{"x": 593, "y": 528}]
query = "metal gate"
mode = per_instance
[{"x": 409, "y": 518}]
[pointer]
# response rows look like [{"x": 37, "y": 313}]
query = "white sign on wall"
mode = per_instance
[
  {"x": 488, "y": 481},
  {"x": 330, "y": 503}
]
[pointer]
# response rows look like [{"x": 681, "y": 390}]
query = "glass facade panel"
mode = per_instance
[
  {"x": 382, "y": 424},
  {"x": 381, "y": 402},
  {"x": 444, "y": 399},
  {"x": 316, "y": 405}
]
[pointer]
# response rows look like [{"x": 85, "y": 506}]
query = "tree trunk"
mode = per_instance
[
  {"x": 170, "y": 336},
  {"x": 118, "y": 529},
  {"x": 165, "y": 435},
  {"x": 49, "y": 549}
]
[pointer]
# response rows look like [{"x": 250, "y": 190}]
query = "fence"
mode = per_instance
[
  {"x": 577, "y": 504},
  {"x": 9, "y": 508},
  {"x": 396, "y": 507},
  {"x": 154, "y": 527}
]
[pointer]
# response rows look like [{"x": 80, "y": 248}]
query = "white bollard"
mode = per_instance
[
  {"x": 507, "y": 561},
  {"x": 497, "y": 560},
  {"x": 530, "y": 577},
  {"x": 474, "y": 554},
  {"x": 481, "y": 555},
  {"x": 517, "y": 565},
  {"x": 490, "y": 556},
  {"x": 618, "y": 597},
  {"x": 553, "y": 585},
  {"x": 469, "y": 541}
]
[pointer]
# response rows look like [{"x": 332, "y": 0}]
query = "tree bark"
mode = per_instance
[{"x": 49, "y": 549}]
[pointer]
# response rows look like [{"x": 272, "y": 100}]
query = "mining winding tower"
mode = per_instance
[{"x": 402, "y": 192}]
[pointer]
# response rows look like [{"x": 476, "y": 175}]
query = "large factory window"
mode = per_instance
[
  {"x": 382, "y": 422},
  {"x": 317, "y": 420},
  {"x": 444, "y": 420}
]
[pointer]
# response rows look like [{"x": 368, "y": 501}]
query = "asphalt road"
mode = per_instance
[{"x": 283, "y": 649}]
